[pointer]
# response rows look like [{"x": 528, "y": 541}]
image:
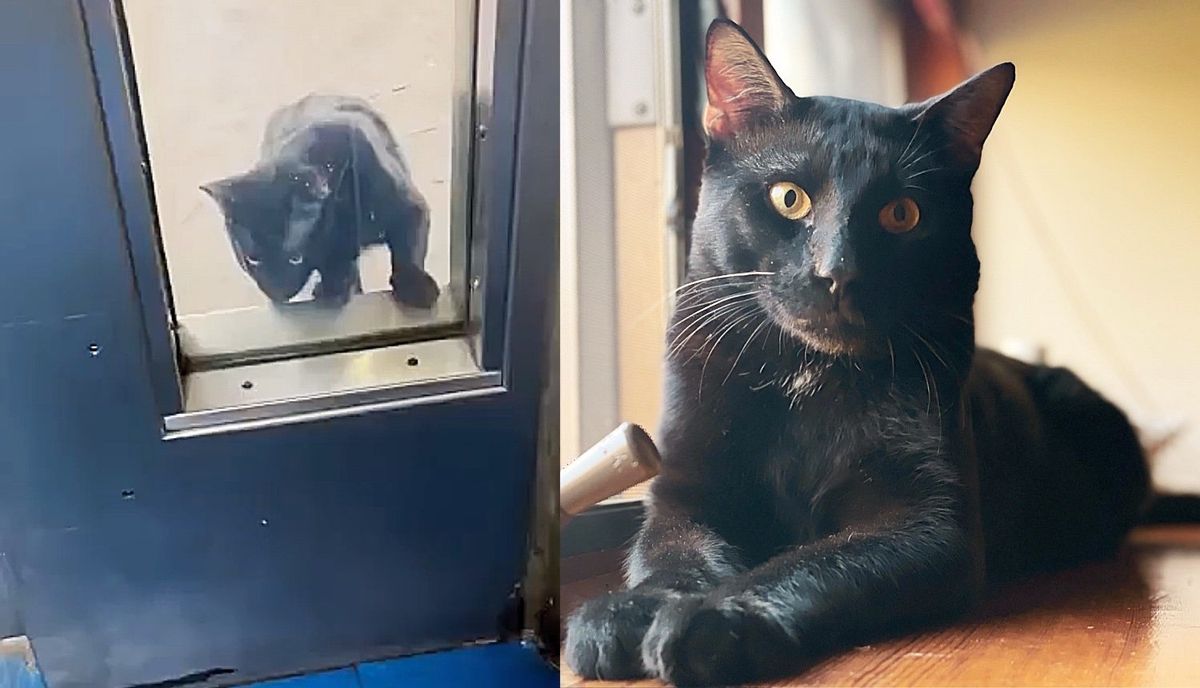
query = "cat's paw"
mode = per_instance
[
  {"x": 331, "y": 297},
  {"x": 699, "y": 642},
  {"x": 414, "y": 287},
  {"x": 604, "y": 636}
]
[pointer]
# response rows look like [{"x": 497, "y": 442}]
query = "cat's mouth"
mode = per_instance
[
  {"x": 831, "y": 332},
  {"x": 833, "y": 335}
]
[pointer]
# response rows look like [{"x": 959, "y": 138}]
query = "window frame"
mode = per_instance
[{"x": 481, "y": 262}]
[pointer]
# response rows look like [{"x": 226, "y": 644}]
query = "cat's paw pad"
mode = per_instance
[
  {"x": 705, "y": 644},
  {"x": 415, "y": 288},
  {"x": 605, "y": 635}
]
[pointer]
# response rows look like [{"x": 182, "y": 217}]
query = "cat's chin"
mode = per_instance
[
  {"x": 830, "y": 333},
  {"x": 836, "y": 345},
  {"x": 834, "y": 337}
]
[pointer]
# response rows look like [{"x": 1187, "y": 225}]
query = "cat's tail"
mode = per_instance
[
  {"x": 1172, "y": 508},
  {"x": 1155, "y": 438}
]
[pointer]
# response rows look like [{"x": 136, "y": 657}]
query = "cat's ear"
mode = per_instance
[
  {"x": 967, "y": 112},
  {"x": 220, "y": 190},
  {"x": 743, "y": 87}
]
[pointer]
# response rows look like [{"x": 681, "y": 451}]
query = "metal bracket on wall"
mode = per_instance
[{"x": 629, "y": 27}]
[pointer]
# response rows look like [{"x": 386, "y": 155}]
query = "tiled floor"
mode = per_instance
[{"x": 1130, "y": 622}]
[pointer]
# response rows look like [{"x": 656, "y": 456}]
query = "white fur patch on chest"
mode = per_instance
[{"x": 803, "y": 383}]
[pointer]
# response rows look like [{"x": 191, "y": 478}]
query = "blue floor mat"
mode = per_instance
[
  {"x": 502, "y": 665},
  {"x": 340, "y": 678},
  {"x": 17, "y": 666}
]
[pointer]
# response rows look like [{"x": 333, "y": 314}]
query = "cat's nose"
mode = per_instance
[{"x": 836, "y": 277}]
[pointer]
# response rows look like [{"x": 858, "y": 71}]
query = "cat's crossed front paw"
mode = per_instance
[
  {"x": 604, "y": 636},
  {"x": 716, "y": 642}
]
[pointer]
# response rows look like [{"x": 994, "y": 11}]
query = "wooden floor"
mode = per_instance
[{"x": 1130, "y": 622}]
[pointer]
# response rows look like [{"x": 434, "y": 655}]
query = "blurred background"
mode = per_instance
[{"x": 1085, "y": 215}]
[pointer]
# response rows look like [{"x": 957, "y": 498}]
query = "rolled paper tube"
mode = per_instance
[{"x": 624, "y": 458}]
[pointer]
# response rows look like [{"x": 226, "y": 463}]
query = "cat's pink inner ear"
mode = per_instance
[{"x": 742, "y": 86}]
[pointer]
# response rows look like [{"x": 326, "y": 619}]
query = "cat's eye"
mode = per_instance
[
  {"x": 790, "y": 200},
  {"x": 295, "y": 259},
  {"x": 900, "y": 216}
]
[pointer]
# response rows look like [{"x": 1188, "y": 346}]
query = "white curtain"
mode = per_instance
[{"x": 848, "y": 48}]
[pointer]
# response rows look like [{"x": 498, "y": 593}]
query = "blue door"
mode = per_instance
[{"x": 202, "y": 473}]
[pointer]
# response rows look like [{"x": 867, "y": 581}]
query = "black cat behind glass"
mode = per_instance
[
  {"x": 839, "y": 460},
  {"x": 330, "y": 181}
]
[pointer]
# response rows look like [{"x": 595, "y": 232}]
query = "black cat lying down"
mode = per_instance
[
  {"x": 839, "y": 460},
  {"x": 330, "y": 181}
]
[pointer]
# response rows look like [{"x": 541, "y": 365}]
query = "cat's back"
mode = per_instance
[
  {"x": 321, "y": 116},
  {"x": 1062, "y": 475},
  {"x": 1047, "y": 405}
]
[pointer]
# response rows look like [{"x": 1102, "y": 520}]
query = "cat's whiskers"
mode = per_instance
[
  {"x": 918, "y": 159},
  {"x": 728, "y": 328},
  {"x": 892, "y": 356},
  {"x": 714, "y": 323},
  {"x": 925, "y": 375},
  {"x": 953, "y": 350},
  {"x": 727, "y": 318},
  {"x": 689, "y": 299},
  {"x": 904, "y": 154},
  {"x": 707, "y": 316},
  {"x": 923, "y": 172},
  {"x": 960, "y": 318},
  {"x": 933, "y": 396},
  {"x": 929, "y": 346},
  {"x": 730, "y": 318},
  {"x": 694, "y": 292},
  {"x": 751, "y": 273},
  {"x": 743, "y": 350},
  {"x": 688, "y": 313},
  {"x": 708, "y": 310}
]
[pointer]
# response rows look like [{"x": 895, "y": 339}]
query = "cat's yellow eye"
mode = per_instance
[
  {"x": 790, "y": 200},
  {"x": 900, "y": 216}
]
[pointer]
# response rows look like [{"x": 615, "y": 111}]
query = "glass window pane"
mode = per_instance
[{"x": 308, "y": 166}]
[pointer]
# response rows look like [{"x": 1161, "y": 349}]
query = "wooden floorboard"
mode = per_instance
[{"x": 1134, "y": 621}]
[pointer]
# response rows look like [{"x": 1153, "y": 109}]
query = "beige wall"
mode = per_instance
[
  {"x": 641, "y": 275},
  {"x": 211, "y": 73},
  {"x": 1097, "y": 150}
]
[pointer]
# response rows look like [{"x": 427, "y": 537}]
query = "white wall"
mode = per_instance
[
  {"x": 849, "y": 48},
  {"x": 211, "y": 73},
  {"x": 1088, "y": 216}
]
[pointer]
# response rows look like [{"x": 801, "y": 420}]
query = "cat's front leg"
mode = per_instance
[
  {"x": 701, "y": 640},
  {"x": 337, "y": 285},
  {"x": 407, "y": 237},
  {"x": 674, "y": 559},
  {"x": 816, "y": 598},
  {"x": 604, "y": 636},
  {"x": 412, "y": 286}
]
